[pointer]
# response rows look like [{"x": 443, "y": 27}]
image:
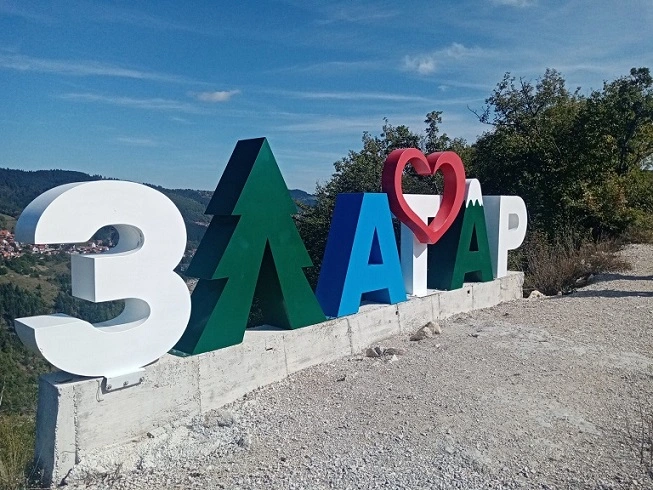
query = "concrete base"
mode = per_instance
[{"x": 78, "y": 415}]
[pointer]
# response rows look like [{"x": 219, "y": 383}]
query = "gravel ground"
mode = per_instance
[{"x": 538, "y": 393}]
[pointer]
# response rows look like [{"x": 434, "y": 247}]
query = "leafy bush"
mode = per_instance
[{"x": 573, "y": 158}]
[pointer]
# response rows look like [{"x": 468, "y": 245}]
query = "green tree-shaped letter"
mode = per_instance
[{"x": 251, "y": 248}]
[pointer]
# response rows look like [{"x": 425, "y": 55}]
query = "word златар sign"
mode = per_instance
[{"x": 253, "y": 249}]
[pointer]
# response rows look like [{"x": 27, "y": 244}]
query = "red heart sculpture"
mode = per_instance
[{"x": 452, "y": 196}]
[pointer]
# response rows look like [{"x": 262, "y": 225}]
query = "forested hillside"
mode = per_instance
[{"x": 18, "y": 188}]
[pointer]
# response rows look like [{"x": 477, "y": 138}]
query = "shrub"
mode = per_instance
[{"x": 561, "y": 264}]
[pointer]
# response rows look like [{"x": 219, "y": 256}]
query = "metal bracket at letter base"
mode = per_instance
[{"x": 124, "y": 381}]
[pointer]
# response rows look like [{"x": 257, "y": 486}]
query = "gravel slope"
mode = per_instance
[{"x": 541, "y": 393}]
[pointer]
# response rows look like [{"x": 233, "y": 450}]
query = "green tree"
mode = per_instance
[
  {"x": 572, "y": 158},
  {"x": 527, "y": 152},
  {"x": 615, "y": 137},
  {"x": 251, "y": 249},
  {"x": 360, "y": 171},
  {"x": 19, "y": 368}
]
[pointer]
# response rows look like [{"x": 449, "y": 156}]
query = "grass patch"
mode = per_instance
[
  {"x": 566, "y": 262},
  {"x": 16, "y": 451},
  {"x": 7, "y": 222},
  {"x": 48, "y": 290}
]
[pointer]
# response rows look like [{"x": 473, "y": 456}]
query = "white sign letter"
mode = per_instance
[
  {"x": 413, "y": 253},
  {"x": 139, "y": 270},
  {"x": 506, "y": 220}
]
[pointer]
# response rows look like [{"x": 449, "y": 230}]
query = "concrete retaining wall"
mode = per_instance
[{"x": 78, "y": 415}]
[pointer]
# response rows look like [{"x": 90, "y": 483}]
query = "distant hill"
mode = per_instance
[
  {"x": 303, "y": 197},
  {"x": 19, "y": 187}
]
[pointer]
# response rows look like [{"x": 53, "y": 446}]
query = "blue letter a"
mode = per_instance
[{"x": 361, "y": 261}]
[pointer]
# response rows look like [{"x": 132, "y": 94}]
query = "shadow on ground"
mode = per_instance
[{"x": 610, "y": 293}]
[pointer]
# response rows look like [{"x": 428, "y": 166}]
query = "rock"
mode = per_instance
[
  {"x": 379, "y": 350},
  {"x": 536, "y": 294},
  {"x": 221, "y": 418},
  {"x": 423, "y": 333},
  {"x": 394, "y": 351},
  {"x": 371, "y": 352},
  {"x": 581, "y": 281},
  {"x": 435, "y": 328},
  {"x": 245, "y": 441},
  {"x": 155, "y": 433}
]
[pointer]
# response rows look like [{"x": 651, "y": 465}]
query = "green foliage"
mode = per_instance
[
  {"x": 574, "y": 159},
  {"x": 91, "y": 312},
  {"x": 25, "y": 264},
  {"x": 16, "y": 451},
  {"x": 360, "y": 171},
  {"x": 18, "y": 188},
  {"x": 7, "y": 222},
  {"x": 19, "y": 368}
]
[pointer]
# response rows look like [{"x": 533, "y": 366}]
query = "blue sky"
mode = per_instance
[{"x": 160, "y": 91}]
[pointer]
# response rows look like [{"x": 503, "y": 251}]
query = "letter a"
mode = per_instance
[{"x": 463, "y": 253}]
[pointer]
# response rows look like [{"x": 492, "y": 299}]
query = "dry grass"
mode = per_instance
[
  {"x": 16, "y": 451},
  {"x": 561, "y": 265}
]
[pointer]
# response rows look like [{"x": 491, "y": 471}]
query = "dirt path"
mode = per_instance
[{"x": 539, "y": 393}]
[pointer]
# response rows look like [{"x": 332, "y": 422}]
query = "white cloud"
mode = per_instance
[
  {"x": 155, "y": 104},
  {"x": 425, "y": 64},
  {"x": 84, "y": 69},
  {"x": 459, "y": 51},
  {"x": 217, "y": 96},
  {"x": 355, "y": 14},
  {"x": 514, "y": 3},
  {"x": 371, "y": 96},
  {"x": 180, "y": 120},
  {"x": 144, "y": 142},
  {"x": 335, "y": 67}
]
